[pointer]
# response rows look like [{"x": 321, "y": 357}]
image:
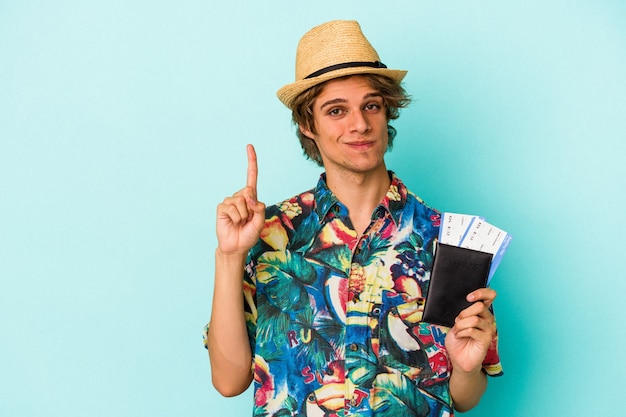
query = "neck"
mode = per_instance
[{"x": 360, "y": 193}]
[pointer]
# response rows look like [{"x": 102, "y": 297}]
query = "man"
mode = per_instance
[{"x": 334, "y": 279}]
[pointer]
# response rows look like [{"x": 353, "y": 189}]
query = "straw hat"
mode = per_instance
[{"x": 331, "y": 50}]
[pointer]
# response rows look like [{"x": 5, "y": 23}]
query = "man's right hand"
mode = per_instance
[{"x": 240, "y": 218}]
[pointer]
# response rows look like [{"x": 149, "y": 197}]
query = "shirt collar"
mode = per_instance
[{"x": 393, "y": 202}]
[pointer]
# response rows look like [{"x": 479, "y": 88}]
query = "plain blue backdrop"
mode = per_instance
[{"x": 124, "y": 123}]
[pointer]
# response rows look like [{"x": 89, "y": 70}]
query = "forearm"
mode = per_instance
[
  {"x": 466, "y": 389},
  {"x": 227, "y": 338}
]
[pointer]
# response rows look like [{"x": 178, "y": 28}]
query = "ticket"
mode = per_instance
[
  {"x": 485, "y": 237},
  {"x": 453, "y": 227},
  {"x": 474, "y": 232}
]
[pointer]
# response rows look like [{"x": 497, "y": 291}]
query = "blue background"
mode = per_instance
[{"x": 124, "y": 123}]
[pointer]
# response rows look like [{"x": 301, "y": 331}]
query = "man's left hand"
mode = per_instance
[{"x": 467, "y": 342}]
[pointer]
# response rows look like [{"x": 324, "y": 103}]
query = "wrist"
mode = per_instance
[
  {"x": 467, "y": 374},
  {"x": 229, "y": 272},
  {"x": 465, "y": 369},
  {"x": 230, "y": 256}
]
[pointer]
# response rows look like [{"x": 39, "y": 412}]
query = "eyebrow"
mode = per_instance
[{"x": 343, "y": 100}]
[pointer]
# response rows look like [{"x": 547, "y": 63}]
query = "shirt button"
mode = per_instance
[{"x": 353, "y": 347}]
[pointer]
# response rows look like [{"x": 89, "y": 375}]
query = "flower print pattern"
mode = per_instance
[{"x": 290, "y": 208}]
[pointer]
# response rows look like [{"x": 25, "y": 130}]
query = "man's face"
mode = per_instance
[{"x": 351, "y": 125}]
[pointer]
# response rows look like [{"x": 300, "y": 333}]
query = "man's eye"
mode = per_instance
[
  {"x": 335, "y": 112},
  {"x": 372, "y": 106}
]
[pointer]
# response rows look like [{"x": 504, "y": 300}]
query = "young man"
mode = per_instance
[{"x": 319, "y": 299}]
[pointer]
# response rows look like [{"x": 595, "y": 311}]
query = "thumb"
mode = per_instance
[{"x": 257, "y": 207}]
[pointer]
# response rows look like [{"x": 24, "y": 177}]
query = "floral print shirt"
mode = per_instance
[{"x": 334, "y": 319}]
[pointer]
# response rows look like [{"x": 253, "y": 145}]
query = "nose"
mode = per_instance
[{"x": 358, "y": 121}]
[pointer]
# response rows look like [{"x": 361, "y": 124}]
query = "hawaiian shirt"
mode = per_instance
[{"x": 334, "y": 319}]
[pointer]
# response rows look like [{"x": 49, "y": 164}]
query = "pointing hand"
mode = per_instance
[{"x": 240, "y": 218}]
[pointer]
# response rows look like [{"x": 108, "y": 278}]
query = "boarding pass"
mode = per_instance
[{"x": 474, "y": 232}]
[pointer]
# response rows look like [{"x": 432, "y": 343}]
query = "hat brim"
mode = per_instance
[{"x": 289, "y": 92}]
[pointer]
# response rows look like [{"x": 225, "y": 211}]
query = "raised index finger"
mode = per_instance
[{"x": 253, "y": 169}]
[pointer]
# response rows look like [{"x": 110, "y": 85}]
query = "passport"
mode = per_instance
[{"x": 456, "y": 272}]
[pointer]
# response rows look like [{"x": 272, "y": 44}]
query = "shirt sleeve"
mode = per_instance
[
  {"x": 491, "y": 363},
  {"x": 205, "y": 335},
  {"x": 249, "y": 301}
]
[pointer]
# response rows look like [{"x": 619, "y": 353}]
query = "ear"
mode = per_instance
[{"x": 306, "y": 132}]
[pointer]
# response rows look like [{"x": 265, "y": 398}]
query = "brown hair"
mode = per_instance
[{"x": 394, "y": 98}]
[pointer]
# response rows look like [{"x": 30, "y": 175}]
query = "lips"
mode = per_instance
[{"x": 361, "y": 144}]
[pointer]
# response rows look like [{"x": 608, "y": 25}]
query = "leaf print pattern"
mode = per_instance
[{"x": 335, "y": 320}]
